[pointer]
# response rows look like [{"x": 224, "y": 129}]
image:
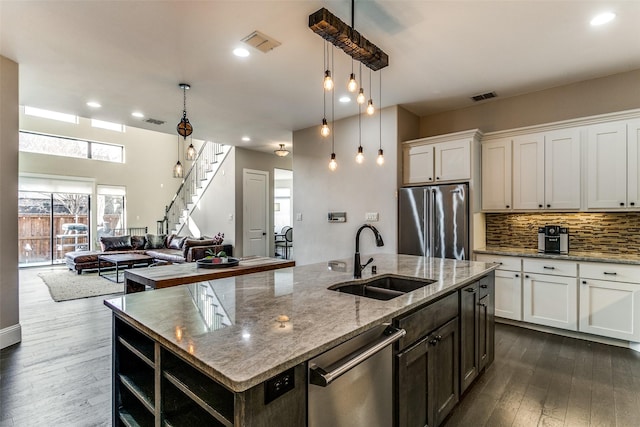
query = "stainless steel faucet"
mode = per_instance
[{"x": 357, "y": 268}]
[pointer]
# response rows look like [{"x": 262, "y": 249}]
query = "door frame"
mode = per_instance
[{"x": 245, "y": 239}]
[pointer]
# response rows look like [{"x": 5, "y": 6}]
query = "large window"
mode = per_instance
[
  {"x": 111, "y": 211},
  {"x": 70, "y": 147}
]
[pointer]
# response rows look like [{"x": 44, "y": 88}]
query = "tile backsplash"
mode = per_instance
[{"x": 597, "y": 232}]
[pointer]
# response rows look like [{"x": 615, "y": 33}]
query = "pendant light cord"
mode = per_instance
[{"x": 380, "y": 106}]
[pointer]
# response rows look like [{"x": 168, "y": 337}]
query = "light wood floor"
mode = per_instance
[{"x": 60, "y": 375}]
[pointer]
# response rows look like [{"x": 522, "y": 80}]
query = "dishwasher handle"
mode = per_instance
[{"x": 322, "y": 378}]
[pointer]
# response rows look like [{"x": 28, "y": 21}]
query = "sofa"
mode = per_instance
[{"x": 162, "y": 248}]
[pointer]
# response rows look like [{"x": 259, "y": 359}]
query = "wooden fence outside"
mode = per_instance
[{"x": 34, "y": 236}]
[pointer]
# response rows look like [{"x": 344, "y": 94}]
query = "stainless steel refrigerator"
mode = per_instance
[{"x": 434, "y": 221}]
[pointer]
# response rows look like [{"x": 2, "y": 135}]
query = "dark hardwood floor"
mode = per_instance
[
  {"x": 60, "y": 375},
  {"x": 540, "y": 379}
]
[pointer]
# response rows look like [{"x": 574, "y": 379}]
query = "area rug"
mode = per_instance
[{"x": 67, "y": 285}]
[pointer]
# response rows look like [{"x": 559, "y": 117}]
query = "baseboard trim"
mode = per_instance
[
  {"x": 10, "y": 336},
  {"x": 572, "y": 334}
]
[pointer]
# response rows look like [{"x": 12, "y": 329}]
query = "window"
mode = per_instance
[
  {"x": 116, "y": 127},
  {"x": 111, "y": 211},
  {"x": 53, "y": 115},
  {"x": 70, "y": 147}
]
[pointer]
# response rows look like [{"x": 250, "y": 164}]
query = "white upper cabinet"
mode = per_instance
[
  {"x": 418, "y": 164},
  {"x": 528, "y": 172},
  {"x": 562, "y": 169},
  {"x": 633, "y": 163},
  {"x": 453, "y": 160},
  {"x": 440, "y": 159},
  {"x": 496, "y": 175},
  {"x": 607, "y": 165}
]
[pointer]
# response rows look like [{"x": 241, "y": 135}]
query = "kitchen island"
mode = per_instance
[{"x": 242, "y": 331}]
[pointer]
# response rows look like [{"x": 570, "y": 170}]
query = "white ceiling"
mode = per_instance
[{"x": 131, "y": 55}]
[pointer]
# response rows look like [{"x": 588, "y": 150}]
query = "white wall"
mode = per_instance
[
  {"x": 217, "y": 207},
  {"x": 352, "y": 188},
  {"x": 147, "y": 172},
  {"x": 10, "y": 331}
]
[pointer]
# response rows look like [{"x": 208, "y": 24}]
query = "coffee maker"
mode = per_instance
[{"x": 553, "y": 239}]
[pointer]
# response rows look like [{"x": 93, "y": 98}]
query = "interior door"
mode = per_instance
[{"x": 255, "y": 212}]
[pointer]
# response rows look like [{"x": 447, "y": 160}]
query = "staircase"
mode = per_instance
[{"x": 195, "y": 183}]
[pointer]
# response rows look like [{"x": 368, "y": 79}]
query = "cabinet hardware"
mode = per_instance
[
  {"x": 429, "y": 179},
  {"x": 610, "y": 273},
  {"x": 484, "y": 286},
  {"x": 482, "y": 304},
  {"x": 539, "y": 206},
  {"x": 517, "y": 275},
  {"x": 548, "y": 206},
  {"x": 621, "y": 203},
  {"x": 632, "y": 203},
  {"x": 549, "y": 268},
  {"x": 526, "y": 276},
  {"x": 437, "y": 177},
  {"x": 435, "y": 340},
  {"x": 584, "y": 282},
  {"x": 470, "y": 290},
  {"x": 507, "y": 206}
]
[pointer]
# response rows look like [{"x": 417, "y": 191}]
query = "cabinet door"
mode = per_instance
[
  {"x": 445, "y": 372},
  {"x": 486, "y": 323},
  {"x": 550, "y": 300},
  {"x": 415, "y": 386},
  {"x": 418, "y": 164},
  {"x": 528, "y": 172},
  {"x": 633, "y": 163},
  {"x": 508, "y": 295},
  {"x": 562, "y": 169},
  {"x": 496, "y": 175},
  {"x": 469, "y": 318},
  {"x": 453, "y": 160},
  {"x": 610, "y": 309},
  {"x": 606, "y": 165}
]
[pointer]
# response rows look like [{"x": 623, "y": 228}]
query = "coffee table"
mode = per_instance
[{"x": 122, "y": 261}]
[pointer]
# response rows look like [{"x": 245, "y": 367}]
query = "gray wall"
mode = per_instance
[
  {"x": 352, "y": 188},
  {"x": 618, "y": 92},
  {"x": 251, "y": 159},
  {"x": 10, "y": 331}
]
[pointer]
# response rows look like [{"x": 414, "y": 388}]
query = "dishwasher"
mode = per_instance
[{"x": 351, "y": 385}]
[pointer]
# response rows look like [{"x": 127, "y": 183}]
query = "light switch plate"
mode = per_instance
[
  {"x": 372, "y": 216},
  {"x": 299, "y": 216}
]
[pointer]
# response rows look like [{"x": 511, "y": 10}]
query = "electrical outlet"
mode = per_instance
[
  {"x": 299, "y": 216},
  {"x": 372, "y": 216}
]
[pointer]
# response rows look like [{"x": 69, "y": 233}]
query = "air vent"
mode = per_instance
[
  {"x": 261, "y": 41},
  {"x": 154, "y": 121},
  {"x": 483, "y": 96}
]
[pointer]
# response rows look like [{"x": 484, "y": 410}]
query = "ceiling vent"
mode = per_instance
[
  {"x": 261, "y": 41},
  {"x": 483, "y": 96},
  {"x": 154, "y": 121}
]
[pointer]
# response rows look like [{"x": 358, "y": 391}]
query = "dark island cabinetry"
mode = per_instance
[
  {"x": 448, "y": 344},
  {"x": 152, "y": 386}
]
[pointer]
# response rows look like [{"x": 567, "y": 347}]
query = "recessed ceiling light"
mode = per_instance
[
  {"x": 94, "y": 104},
  {"x": 344, "y": 99},
  {"x": 246, "y": 139},
  {"x": 137, "y": 114},
  {"x": 241, "y": 52},
  {"x": 603, "y": 18}
]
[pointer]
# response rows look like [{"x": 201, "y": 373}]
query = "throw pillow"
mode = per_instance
[
  {"x": 176, "y": 242},
  {"x": 120, "y": 243},
  {"x": 138, "y": 242},
  {"x": 155, "y": 241}
]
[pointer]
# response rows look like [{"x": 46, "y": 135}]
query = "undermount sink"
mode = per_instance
[{"x": 381, "y": 288}]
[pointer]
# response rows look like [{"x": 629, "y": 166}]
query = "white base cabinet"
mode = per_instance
[
  {"x": 508, "y": 286},
  {"x": 610, "y": 300},
  {"x": 550, "y": 300}
]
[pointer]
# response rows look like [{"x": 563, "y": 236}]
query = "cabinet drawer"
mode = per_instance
[
  {"x": 425, "y": 320},
  {"x": 611, "y": 272},
  {"x": 506, "y": 262},
  {"x": 545, "y": 266}
]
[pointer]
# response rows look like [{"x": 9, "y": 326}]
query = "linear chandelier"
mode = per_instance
[{"x": 333, "y": 29}]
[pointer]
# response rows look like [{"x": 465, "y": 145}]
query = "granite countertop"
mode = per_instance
[
  {"x": 254, "y": 346},
  {"x": 618, "y": 258}
]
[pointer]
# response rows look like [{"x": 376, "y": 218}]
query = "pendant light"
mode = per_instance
[
  {"x": 178, "y": 170},
  {"x": 370, "y": 108},
  {"x": 360, "y": 98},
  {"x": 380, "y": 159},
  {"x": 324, "y": 129},
  {"x": 184, "y": 128},
  {"x": 359, "y": 154},
  {"x": 328, "y": 81},
  {"x": 333, "y": 165}
]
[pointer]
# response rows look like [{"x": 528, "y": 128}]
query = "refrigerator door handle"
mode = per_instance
[{"x": 429, "y": 196}]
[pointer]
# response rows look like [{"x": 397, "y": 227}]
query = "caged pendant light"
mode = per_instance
[{"x": 184, "y": 127}]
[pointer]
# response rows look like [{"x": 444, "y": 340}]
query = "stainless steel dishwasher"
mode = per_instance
[{"x": 351, "y": 385}]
